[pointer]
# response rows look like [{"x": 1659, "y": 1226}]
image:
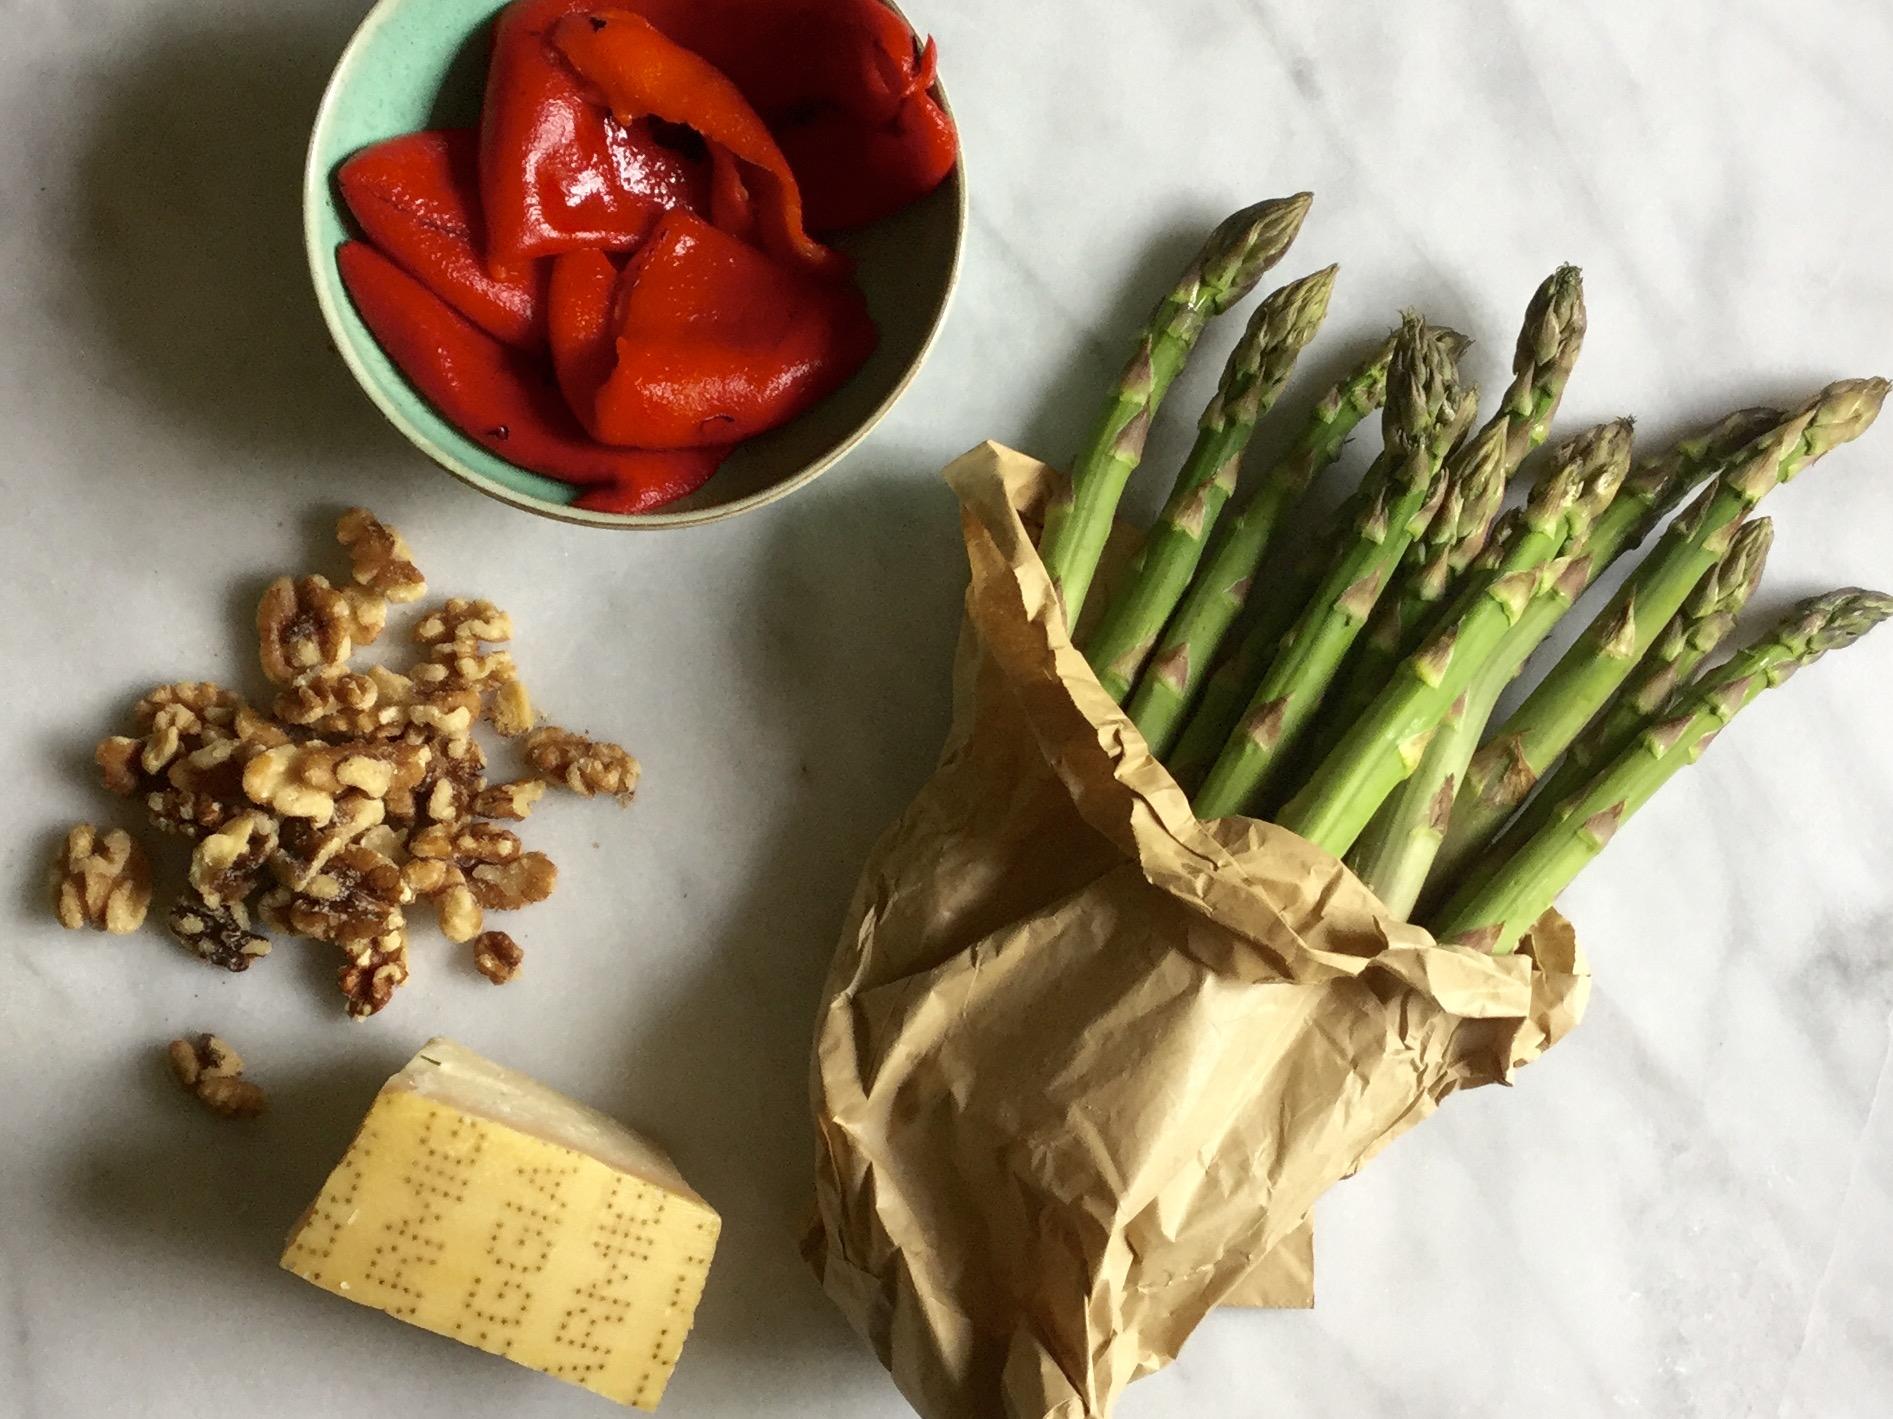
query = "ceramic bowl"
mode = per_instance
[{"x": 422, "y": 64}]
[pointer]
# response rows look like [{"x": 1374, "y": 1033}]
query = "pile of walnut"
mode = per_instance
[{"x": 358, "y": 793}]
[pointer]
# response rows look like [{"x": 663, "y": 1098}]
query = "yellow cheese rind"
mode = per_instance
[{"x": 504, "y": 1240}]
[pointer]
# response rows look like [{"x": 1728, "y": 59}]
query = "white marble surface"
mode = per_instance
[{"x": 1685, "y": 1211}]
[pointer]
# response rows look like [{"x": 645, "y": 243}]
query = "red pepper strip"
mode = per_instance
[
  {"x": 853, "y": 175},
  {"x": 418, "y": 199},
  {"x": 583, "y": 291},
  {"x": 715, "y": 342},
  {"x": 495, "y": 395},
  {"x": 556, "y": 172},
  {"x": 841, "y": 88},
  {"x": 636, "y": 72}
]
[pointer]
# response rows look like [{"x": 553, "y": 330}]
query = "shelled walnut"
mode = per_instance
[
  {"x": 497, "y": 956},
  {"x": 358, "y": 790},
  {"x": 207, "y": 1068},
  {"x": 104, "y": 881},
  {"x": 586, "y": 766}
]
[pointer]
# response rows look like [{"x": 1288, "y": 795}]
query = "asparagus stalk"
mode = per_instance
[
  {"x": 1504, "y": 770},
  {"x": 1542, "y": 361},
  {"x": 1231, "y": 262},
  {"x": 1692, "y": 636},
  {"x": 1426, "y": 411},
  {"x": 1215, "y": 597},
  {"x": 1495, "y": 914},
  {"x": 1652, "y": 490},
  {"x": 1283, "y": 324},
  {"x": 1387, "y": 743},
  {"x": 1395, "y": 852}
]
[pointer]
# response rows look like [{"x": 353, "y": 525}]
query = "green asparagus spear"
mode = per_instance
[
  {"x": 1652, "y": 490},
  {"x": 1691, "y": 637},
  {"x": 1506, "y": 767},
  {"x": 1387, "y": 743},
  {"x": 1495, "y": 914},
  {"x": 1284, "y": 323},
  {"x": 1231, "y": 262},
  {"x": 1394, "y": 853},
  {"x": 1426, "y": 411},
  {"x": 1548, "y": 346},
  {"x": 1169, "y": 685}
]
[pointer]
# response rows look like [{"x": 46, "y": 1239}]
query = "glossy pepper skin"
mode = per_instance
[
  {"x": 629, "y": 65},
  {"x": 417, "y": 198},
  {"x": 709, "y": 340},
  {"x": 557, "y": 172},
  {"x": 851, "y": 110},
  {"x": 500, "y": 397}
]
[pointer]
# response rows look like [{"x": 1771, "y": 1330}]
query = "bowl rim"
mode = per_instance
[{"x": 315, "y": 192}]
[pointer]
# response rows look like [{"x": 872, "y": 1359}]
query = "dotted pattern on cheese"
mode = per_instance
[{"x": 507, "y": 1242}]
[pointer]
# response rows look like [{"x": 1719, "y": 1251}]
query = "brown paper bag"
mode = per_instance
[{"x": 1083, "y": 1062}]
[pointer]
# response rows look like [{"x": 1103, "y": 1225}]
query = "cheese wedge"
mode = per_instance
[{"x": 480, "y": 1205}]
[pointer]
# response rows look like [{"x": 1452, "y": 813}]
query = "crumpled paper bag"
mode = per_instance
[{"x": 1084, "y": 1064}]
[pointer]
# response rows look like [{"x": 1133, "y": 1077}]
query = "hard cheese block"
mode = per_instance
[{"x": 478, "y": 1204}]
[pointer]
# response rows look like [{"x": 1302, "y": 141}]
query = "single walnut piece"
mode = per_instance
[
  {"x": 511, "y": 711},
  {"x": 326, "y": 694},
  {"x": 513, "y": 801},
  {"x": 497, "y": 956},
  {"x": 211, "y": 703},
  {"x": 104, "y": 881},
  {"x": 357, "y": 896},
  {"x": 459, "y": 912},
  {"x": 188, "y": 815},
  {"x": 119, "y": 767},
  {"x": 367, "y": 614},
  {"x": 381, "y": 557},
  {"x": 307, "y": 847},
  {"x": 585, "y": 766},
  {"x": 225, "y": 864},
  {"x": 430, "y": 876},
  {"x": 508, "y": 886},
  {"x": 210, "y": 1070},
  {"x": 466, "y": 844},
  {"x": 461, "y": 622},
  {"x": 176, "y": 730},
  {"x": 376, "y": 968},
  {"x": 217, "y": 933},
  {"x": 302, "y": 623}
]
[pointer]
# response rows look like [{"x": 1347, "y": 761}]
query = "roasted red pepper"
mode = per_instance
[
  {"x": 628, "y": 64},
  {"x": 500, "y": 397},
  {"x": 709, "y": 341},
  {"x": 556, "y": 171},
  {"x": 417, "y": 197},
  {"x": 841, "y": 87}
]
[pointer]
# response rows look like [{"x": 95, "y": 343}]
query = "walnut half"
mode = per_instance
[
  {"x": 104, "y": 881},
  {"x": 586, "y": 766},
  {"x": 210, "y": 1070}
]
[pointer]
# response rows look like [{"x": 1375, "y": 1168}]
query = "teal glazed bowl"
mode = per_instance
[{"x": 422, "y": 64}]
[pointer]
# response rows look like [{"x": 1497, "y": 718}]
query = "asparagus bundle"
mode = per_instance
[{"x": 1353, "y": 687}]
